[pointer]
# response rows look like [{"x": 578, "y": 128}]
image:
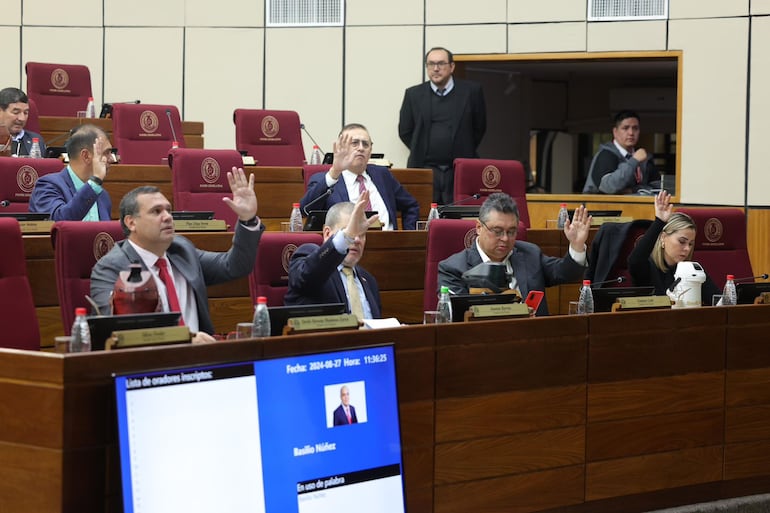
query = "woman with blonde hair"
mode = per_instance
[{"x": 669, "y": 240}]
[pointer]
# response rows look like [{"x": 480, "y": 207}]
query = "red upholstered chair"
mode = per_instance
[
  {"x": 77, "y": 247},
  {"x": 720, "y": 244},
  {"x": 199, "y": 180},
  {"x": 309, "y": 170},
  {"x": 58, "y": 89},
  {"x": 18, "y": 177},
  {"x": 445, "y": 238},
  {"x": 142, "y": 132},
  {"x": 485, "y": 176},
  {"x": 17, "y": 316},
  {"x": 272, "y": 137},
  {"x": 33, "y": 120},
  {"x": 270, "y": 277}
]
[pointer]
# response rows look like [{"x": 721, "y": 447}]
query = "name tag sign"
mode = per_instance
[
  {"x": 200, "y": 225},
  {"x": 479, "y": 312},
  {"x": 321, "y": 323},
  {"x": 148, "y": 337},
  {"x": 641, "y": 303},
  {"x": 35, "y": 226}
]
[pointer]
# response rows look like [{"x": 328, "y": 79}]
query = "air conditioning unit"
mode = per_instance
[{"x": 643, "y": 99}]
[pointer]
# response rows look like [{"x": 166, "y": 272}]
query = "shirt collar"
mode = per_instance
[
  {"x": 20, "y": 136},
  {"x": 449, "y": 86},
  {"x": 622, "y": 150}
]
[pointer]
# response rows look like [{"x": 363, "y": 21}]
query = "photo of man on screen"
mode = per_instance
[{"x": 345, "y": 412}]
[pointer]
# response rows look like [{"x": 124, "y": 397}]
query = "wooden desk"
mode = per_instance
[
  {"x": 58, "y": 127},
  {"x": 622, "y": 412}
]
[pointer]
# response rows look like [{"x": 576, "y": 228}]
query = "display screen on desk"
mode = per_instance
[{"x": 268, "y": 435}]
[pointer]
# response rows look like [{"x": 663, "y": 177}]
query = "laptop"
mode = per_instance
[
  {"x": 605, "y": 297},
  {"x": 747, "y": 292},
  {"x": 102, "y": 326}
]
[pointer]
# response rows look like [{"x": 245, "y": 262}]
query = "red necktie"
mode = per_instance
[
  {"x": 362, "y": 188},
  {"x": 350, "y": 419},
  {"x": 165, "y": 277}
]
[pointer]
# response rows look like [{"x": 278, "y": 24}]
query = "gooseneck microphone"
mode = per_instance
[
  {"x": 619, "y": 279},
  {"x": 302, "y": 126},
  {"x": 5, "y": 203},
  {"x": 171, "y": 124},
  {"x": 318, "y": 199},
  {"x": 752, "y": 278},
  {"x": 460, "y": 202}
]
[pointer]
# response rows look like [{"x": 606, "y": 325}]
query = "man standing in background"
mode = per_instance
[{"x": 441, "y": 120}]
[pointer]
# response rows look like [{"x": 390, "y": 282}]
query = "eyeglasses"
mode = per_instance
[
  {"x": 499, "y": 232},
  {"x": 431, "y": 64},
  {"x": 362, "y": 143}
]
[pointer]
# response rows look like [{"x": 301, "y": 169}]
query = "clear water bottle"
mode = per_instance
[
  {"x": 34, "y": 152},
  {"x": 561, "y": 220},
  {"x": 90, "y": 108},
  {"x": 586, "y": 300},
  {"x": 316, "y": 157},
  {"x": 261, "y": 327},
  {"x": 444, "y": 305},
  {"x": 295, "y": 219},
  {"x": 80, "y": 340},
  {"x": 729, "y": 296},
  {"x": 433, "y": 214}
]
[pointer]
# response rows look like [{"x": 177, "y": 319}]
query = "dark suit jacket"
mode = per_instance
[
  {"x": 55, "y": 194},
  {"x": 200, "y": 268},
  {"x": 533, "y": 270},
  {"x": 469, "y": 122},
  {"x": 396, "y": 198},
  {"x": 26, "y": 144},
  {"x": 313, "y": 279},
  {"x": 340, "y": 419}
]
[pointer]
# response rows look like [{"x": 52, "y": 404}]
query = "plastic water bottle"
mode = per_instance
[
  {"x": 316, "y": 157},
  {"x": 261, "y": 327},
  {"x": 34, "y": 152},
  {"x": 729, "y": 295},
  {"x": 295, "y": 219},
  {"x": 561, "y": 220},
  {"x": 90, "y": 108},
  {"x": 586, "y": 300},
  {"x": 80, "y": 341},
  {"x": 444, "y": 306},
  {"x": 433, "y": 214}
]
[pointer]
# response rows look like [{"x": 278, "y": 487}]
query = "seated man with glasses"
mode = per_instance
[
  {"x": 529, "y": 269},
  {"x": 349, "y": 176},
  {"x": 76, "y": 193}
]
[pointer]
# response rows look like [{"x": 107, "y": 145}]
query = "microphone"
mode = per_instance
[
  {"x": 59, "y": 137},
  {"x": 319, "y": 198},
  {"x": 455, "y": 203},
  {"x": 5, "y": 203},
  {"x": 673, "y": 285},
  {"x": 752, "y": 278},
  {"x": 302, "y": 126},
  {"x": 171, "y": 124},
  {"x": 619, "y": 279}
]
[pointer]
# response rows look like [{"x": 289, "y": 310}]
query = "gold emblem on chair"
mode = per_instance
[
  {"x": 26, "y": 177},
  {"x": 103, "y": 243},
  {"x": 60, "y": 78},
  {"x": 148, "y": 121},
  {"x": 712, "y": 229},
  {"x": 490, "y": 177},
  {"x": 288, "y": 251},
  {"x": 210, "y": 170},
  {"x": 270, "y": 126},
  {"x": 470, "y": 238}
]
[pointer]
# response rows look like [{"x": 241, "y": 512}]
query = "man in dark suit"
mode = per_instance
[
  {"x": 14, "y": 113},
  {"x": 345, "y": 412},
  {"x": 349, "y": 176},
  {"x": 76, "y": 193},
  {"x": 329, "y": 273},
  {"x": 181, "y": 271},
  {"x": 496, "y": 241},
  {"x": 441, "y": 120}
]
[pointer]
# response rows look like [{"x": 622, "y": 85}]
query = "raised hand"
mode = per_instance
[
  {"x": 358, "y": 223},
  {"x": 344, "y": 154},
  {"x": 663, "y": 206},
  {"x": 577, "y": 229},
  {"x": 244, "y": 200}
]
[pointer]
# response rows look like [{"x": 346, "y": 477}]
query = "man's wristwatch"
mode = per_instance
[
  {"x": 251, "y": 223},
  {"x": 98, "y": 181}
]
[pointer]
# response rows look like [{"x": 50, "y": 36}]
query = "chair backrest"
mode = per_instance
[
  {"x": 18, "y": 317},
  {"x": 720, "y": 244},
  {"x": 199, "y": 180},
  {"x": 272, "y": 137},
  {"x": 18, "y": 177},
  {"x": 33, "y": 120},
  {"x": 270, "y": 276},
  {"x": 445, "y": 238},
  {"x": 309, "y": 170},
  {"x": 77, "y": 247},
  {"x": 142, "y": 132},
  {"x": 485, "y": 176},
  {"x": 58, "y": 89},
  {"x": 608, "y": 261}
]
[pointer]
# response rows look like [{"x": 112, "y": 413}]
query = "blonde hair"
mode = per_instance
[{"x": 677, "y": 221}]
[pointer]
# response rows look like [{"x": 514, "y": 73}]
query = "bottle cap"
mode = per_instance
[
  {"x": 35, "y": 140},
  {"x": 444, "y": 289},
  {"x": 586, "y": 282},
  {"x": 175, "y": 144},
  {"x": 261, "y": 300},
  {"x": 434, "y": 205},
  {"x": 80, "y": 311},
  {"x": 90, "y": 99},
  {"x": 295, "y": 205},
  {"x": 563, "y": 205},
  {"x": 730, "y": 277},
  {"x": 315, "y": 147}
]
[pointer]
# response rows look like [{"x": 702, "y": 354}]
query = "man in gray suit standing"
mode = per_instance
[
  {"x": 181, "y": 271},
  {"x": 441, "y": 120}
]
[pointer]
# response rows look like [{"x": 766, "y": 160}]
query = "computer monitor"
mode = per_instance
[
  {"x": 102, "y": 326},
  {"x": 279, "y": 315},
  {"x": 192, "y": 215},
  {"x": 27, "y": 216},
  {"x": 599, "y": 213},
  {"x": 461, "y": 303},
  {"x": 266, "y": 435},
  {"x": 747, "y": 292},
  {"x": 459, "y": 211},
  {"x": 605, "y": 297},
  {"x": 314, "y": 222}
]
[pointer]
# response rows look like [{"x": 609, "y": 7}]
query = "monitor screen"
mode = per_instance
[
  {"x": 459, "y": 211},
  {"x": 279, "y": 315},
  {"x": 102, "y": 326},
  {"x": 461, "y": 303},
  {"x": 27, "y": 216},
  {"x": 605, "y": 297},
  {"x": 747, "y": 292},
  {"x": 268, "y": 435}
]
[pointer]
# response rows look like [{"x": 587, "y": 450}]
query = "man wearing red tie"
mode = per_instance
[
  {"x": 345, "y": 413},
  {"x": 620, "y": 167}
]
